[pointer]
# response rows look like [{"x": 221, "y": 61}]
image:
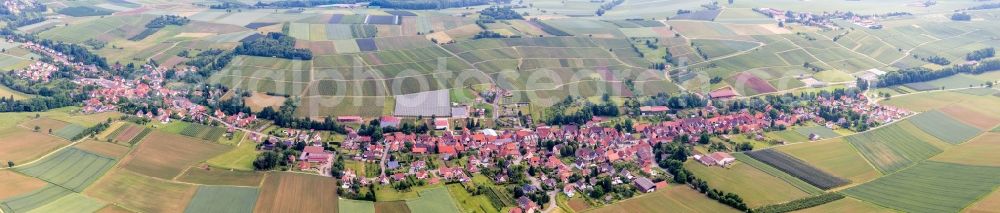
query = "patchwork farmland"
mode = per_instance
[
  {"x": 142, "y": 193},
  {"x": 70, "y": 168},
  {"x": 482, "y": 106}
]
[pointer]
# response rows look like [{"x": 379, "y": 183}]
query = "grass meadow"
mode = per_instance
[
  {"x": 929, "y": 187},
  {"x": 757, "y": 188}
]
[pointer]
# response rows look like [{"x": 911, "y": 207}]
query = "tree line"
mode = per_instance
[
  {"x": 608, "y": 6},
  {"x": 920, "y": 74}
]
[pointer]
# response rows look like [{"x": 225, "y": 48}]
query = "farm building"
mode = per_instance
[
  {"x": 716, "y": 158},
  {"x": 871, "y": 75},
  {"x": 652, "y": 110},
  {"x": 314, "y": 154},
  {"x": 350, "y": 119},
  {"x": 645, "y": 185},
  {"x": 723, "y": 93}
]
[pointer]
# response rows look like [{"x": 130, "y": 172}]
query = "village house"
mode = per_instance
[
  {"x": 389, "y": 121},
  {"x": 441, "y": 124},
  {"x": 526, "y": 204}
]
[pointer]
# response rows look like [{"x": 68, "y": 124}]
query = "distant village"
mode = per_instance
[{"x": 824, "y": 20}]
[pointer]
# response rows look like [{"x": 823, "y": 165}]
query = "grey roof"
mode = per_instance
[
  {"x": 428, "y": 103},
  {"x": 644, "y": 183},
  {"x": 460, "y": 112}
]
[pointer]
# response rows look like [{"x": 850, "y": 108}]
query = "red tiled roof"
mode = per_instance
[{"x": 441, "y": 122}]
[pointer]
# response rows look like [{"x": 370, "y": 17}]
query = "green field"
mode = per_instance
[
  {"x": 718, "y": 48},
  {"x": 846, "y": 204},
  {"x": 204, "y": 132},
  {"x": 757, "y": 188},
  {"x": 764, "y": 167},
  {"x": 891, "y": 148},
  {"x": 673, "y": 198},
  {"x": 479, "y": 203},
  {"x": 69, "y": 131},
  {"x": 33, "y": 200},
  {"x": 71, "y": 203},
  {"x": 435, "y": 200},
  {"x": 359, "y": 206},
  {"x": 944, "y": 127},
  {"x": 71, "y": 168},
  {"x": 223, "y": 199},
  {"x": 240, "y": 158},
  {"x": 835, "y": 156},
  {"x": 930, "y": 187}
]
